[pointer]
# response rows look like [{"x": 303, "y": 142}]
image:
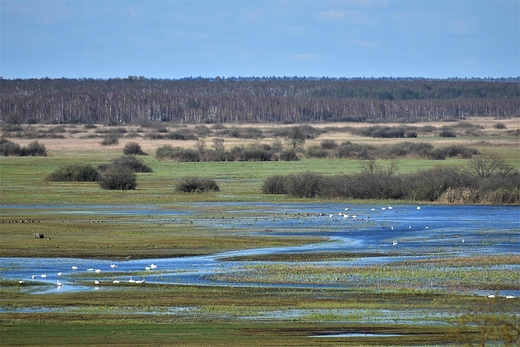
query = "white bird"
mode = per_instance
[
  {"x": 418, "y": 207},
  {"x": 59, "y": 273},
  {"x": 96, "y": 282},
  {"x": 90, "y": 269},
  {"x": 510, "y": 297},
  {"x": 394, "y": 242},
  {"x": 153, "y": 266},
  {"x": 383, "y": 208},
  {"x": 98, "y": 271},
  {"x": 21, "y": 282},
  {"x": 43, "y": 275},
  {"x": 372, "y": 209},
  {"x": 490, "y": 296},
  {"x": 58, "y": 283},
  {"x": 141, "y": 281},
  {"x": 390, "y": 208},
  {"x": 347, "y": 208},
  {"x": 113, "y": 266},
  {"x": 33, "y": 276},
  {"x": 462, "y": 240},
  {"x": 147, "y": 268},
  {"x": 115, "y": 281},
  {"x": 74, "y": 267},
  {"x": 131, "y": 280}
]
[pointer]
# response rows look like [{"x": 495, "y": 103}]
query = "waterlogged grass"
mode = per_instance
[
  {"x": 187, "y": 315},
  {"x": 423, "y": 302},
  {"x": 117, "y": 236},
  {"x": 138, "y": 333},
  {"x": 395, "y": 276}
]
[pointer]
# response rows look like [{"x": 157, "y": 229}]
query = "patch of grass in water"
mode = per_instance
[{"x": 304, "y": 257}]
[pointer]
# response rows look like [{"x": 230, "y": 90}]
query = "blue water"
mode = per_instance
[{"x": 400, "y": 233}]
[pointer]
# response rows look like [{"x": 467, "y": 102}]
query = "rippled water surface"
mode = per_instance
[{"x": 388, "y": 233}]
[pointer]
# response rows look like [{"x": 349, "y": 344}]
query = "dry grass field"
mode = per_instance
[{"x": 81, "y": 138}]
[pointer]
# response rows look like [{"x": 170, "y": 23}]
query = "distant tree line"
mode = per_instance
[{"x": 240, "y": 100}]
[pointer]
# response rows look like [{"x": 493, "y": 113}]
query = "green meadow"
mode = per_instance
[{"x": 393, "y": 305}]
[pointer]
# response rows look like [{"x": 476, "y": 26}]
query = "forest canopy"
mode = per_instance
[{"x": 254, "y": 100}]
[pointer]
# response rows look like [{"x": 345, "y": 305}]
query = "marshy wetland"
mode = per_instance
[{"x": 237, "y": 267}]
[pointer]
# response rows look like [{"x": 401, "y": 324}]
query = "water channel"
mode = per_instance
[{"x": 387, "y": 233}]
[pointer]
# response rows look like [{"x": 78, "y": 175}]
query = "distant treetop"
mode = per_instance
[{"x": 254, "y": 99}]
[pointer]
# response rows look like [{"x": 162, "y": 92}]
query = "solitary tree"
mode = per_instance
[
  {"x": 218, "y": 144},
  {"x": 201, "y": 146},
  {"x": 295, "y": 137},
  {"x": 488, "y": 165}
]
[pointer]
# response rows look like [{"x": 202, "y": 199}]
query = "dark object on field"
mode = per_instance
[
  {"x": 133, "y": 148},
  {"x": 197, "y": 185},
  {"x": 38, "y": 236},
  {"x": 118, "y": 177}
]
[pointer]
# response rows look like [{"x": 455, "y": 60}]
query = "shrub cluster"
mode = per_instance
[
  {"x": 379, "y": 131},
  {"x": 129, "y": 161},
  {"x": 119, "y": 174},
  {"x": 219, "y": 130},
  {"x": 168, "y": 152},
  {"x": 180, "y": 134},
  {"x": 238, "y": 153},
  {"x": 110, "y": 140},
  {"x": 16, "y": 130},
  {"x": 196, "y": 185},
  {"x": 133, "y": 148},
  {"x": 9, "y": 148},
  {"x": 117, "y": 177},
  {"x": 447, "y": 133},
  {"x": 75, "y": 173},
  {"x": 112, "y": 131},
  {"x": 242, "y": 133},
  {"x": 308, "y": 132},
  {"x": 451, "y": 185},
  {"x": 349, "y": 150}
]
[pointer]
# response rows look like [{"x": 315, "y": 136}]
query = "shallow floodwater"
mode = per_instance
[{"x": 396, "y": 233}]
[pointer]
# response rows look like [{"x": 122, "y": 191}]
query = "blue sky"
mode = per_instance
[{"x": 175, "y": 39}]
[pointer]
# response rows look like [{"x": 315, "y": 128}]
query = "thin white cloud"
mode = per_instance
[
  {"x": 331, "y": 14},
  {"x": 365, "y": 43},
  {"x": 360, "y": 43},
  {"x": 304, "y": 57}
]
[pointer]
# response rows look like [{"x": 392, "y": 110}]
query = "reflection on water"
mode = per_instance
[{"x": 401, "y": 233}]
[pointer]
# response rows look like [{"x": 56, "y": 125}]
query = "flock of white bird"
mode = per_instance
[
  {"x": 96, "y": 282},
  {"x": 389, "y": 207},
  {"x": 394, "y": 242},
  {"x": 153, "y": 266}
]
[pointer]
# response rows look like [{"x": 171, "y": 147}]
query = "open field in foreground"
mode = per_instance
[{"x": 322, "y": 280}]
